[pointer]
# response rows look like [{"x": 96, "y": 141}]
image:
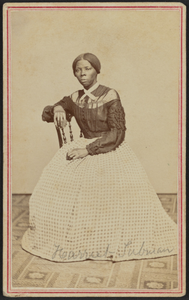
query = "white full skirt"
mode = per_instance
[{"x": 101, "y": 207}]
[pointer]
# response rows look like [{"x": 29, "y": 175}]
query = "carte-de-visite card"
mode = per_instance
[{"x": 94, "y": 149}]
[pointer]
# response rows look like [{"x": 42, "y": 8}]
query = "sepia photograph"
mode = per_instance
[{"x": 94, "y": 148}]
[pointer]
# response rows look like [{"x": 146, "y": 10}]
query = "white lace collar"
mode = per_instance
[{"x": 89, "y": 91}]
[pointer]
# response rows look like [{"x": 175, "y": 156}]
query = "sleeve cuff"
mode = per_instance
[{"x": 92, "y": 149}]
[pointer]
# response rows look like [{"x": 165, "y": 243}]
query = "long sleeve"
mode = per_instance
[
  {"x": 66, "y": 104},
  {"x": 48, "y": 112},
  {"x": 111, "y": 139}
]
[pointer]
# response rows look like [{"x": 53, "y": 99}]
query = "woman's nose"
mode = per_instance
[{"x": 83, "y": 72}]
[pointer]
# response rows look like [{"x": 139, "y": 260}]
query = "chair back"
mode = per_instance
[
  {"x": 48, "y": 116},
  {"x": 61, "y": 133}
]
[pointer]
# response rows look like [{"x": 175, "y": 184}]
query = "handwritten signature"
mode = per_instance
[{"x": 68, "y": 255}]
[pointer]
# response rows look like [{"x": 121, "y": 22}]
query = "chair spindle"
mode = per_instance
[
  {"x": 59, "y": 136},
  {"x": 64, "y": 136},
  {"x": 71, "y": 134}
]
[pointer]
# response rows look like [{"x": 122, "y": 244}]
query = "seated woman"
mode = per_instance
[{"x": 94, "y": 200}]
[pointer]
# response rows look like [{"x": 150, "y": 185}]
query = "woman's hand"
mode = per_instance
[
  {"x": 77, "y": 153},
  {"x": 59, "y": 116}
]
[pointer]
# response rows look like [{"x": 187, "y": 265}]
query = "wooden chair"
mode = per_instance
[
  {"x": 61, "y": 134},
  {"x": 48, "y": 116}
]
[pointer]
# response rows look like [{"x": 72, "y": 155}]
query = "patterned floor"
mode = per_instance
[{"x": 31, "y": 271}]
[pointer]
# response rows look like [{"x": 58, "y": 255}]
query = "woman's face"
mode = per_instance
[{"x": 85, "y": 73}]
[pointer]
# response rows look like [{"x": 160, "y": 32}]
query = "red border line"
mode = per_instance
[
  {"x": 8, "y": 154},
  {"x": 94, "y": 7},
  {"x": 9, "y": 150},
  {"x": 181, "y": 62},
  {"x": 99, "y": 292}
]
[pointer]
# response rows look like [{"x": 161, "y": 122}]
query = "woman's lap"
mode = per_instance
[{"x": 94, "y": 202}]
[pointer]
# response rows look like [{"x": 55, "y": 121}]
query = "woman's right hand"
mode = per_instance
[{"x": 60, "y": 116}]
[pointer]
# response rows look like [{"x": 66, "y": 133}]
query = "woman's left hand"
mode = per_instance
[{"x": 77, "y": 153}]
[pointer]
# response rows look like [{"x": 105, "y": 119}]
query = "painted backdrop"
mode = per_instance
[{"x": 139, "y": 52}]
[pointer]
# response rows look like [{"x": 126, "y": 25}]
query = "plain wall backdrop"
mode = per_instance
[{"x": 139, "y": 53}]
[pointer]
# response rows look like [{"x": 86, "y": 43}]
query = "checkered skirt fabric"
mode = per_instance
[{"x": 101, "y": 207}]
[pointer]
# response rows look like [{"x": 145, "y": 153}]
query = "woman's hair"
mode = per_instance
[{"x": 94, "y": 61}]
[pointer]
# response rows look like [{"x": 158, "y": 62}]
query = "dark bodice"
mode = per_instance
[{"x": 103, "y": 118}]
